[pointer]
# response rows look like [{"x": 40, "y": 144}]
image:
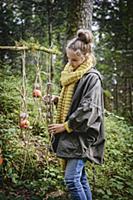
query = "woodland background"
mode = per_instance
[{"x": 28, "y": 170}]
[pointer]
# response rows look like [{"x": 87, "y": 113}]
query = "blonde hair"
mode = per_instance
[{"x": 82, "y": 44}]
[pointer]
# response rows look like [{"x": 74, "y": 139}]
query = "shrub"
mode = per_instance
[{"x": 114, "y": 178}]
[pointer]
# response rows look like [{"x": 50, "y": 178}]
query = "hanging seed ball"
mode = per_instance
[
  {"x": 24, "y": 123},
  {"x": 37, "y": 93}
]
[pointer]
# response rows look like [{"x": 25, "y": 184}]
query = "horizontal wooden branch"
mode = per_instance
[{"x": 32, "y": 48}]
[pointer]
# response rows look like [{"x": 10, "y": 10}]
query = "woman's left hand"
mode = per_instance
[{"x": 56, "y": 128}]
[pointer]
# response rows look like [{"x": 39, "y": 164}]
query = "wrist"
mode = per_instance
[{"x": 68, "y": 129}]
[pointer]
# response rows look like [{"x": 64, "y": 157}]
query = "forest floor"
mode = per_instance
[{"x": 24, "y": 194}]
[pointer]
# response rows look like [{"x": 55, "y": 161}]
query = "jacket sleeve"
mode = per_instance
[{"x": 89, "y": 113}]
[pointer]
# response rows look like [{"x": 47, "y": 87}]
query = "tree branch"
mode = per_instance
[{"x": 30, "y": 47}]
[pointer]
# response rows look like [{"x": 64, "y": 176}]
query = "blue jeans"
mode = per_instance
[{"x": 76, "y": 180}]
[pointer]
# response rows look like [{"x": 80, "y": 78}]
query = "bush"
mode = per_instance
[{"x": 114, "y": 178}]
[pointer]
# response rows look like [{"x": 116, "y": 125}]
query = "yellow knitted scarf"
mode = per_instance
[{"x": 68, "y": 80}]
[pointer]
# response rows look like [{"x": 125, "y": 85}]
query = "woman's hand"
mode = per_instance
[
  {"x": 54, "y": 99},
  {"x": 56, "y": 128}
]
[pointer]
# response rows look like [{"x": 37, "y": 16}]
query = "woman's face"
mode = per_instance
[{"x": 74, "y": 58}]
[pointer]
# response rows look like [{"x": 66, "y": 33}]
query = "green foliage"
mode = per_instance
[
  {"x": 27, "y": 160},
  {"x": 114, "y": 179},
  {"x": 28, "y": 164}
]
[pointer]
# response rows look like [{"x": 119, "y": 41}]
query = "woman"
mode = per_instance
[{"x": 79, "y": 132}]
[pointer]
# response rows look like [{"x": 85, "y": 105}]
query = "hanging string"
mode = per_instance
[
  {"x": 24, "y": 103},
  {"x": 24, "y": 123},
  {"x": 38, "y": 70},
  {"x": 49, "y": 107},
  {"x": 49, "y": 103},
  {"x": 37, "y": 91}
]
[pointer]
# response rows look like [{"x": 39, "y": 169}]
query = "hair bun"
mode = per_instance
[{"x": 85, "y": 36}]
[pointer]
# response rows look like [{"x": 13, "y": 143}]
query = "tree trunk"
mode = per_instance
[
  {"x": 86, "y": 9},
  {"x": 79, "y": 15}
]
